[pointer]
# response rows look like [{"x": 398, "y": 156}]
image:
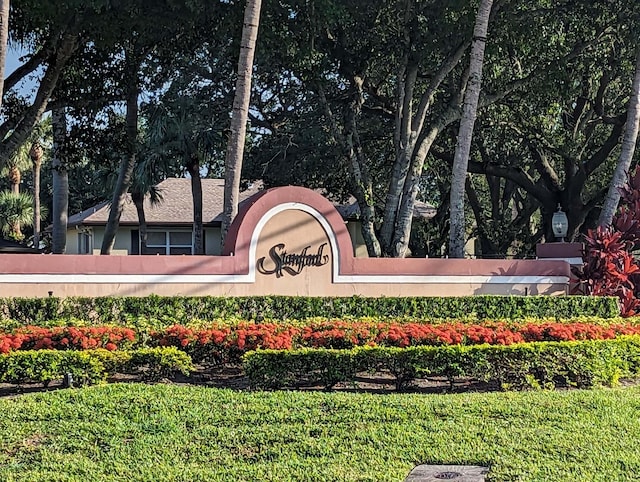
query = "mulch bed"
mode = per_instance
[{"x": 232, "y": 377}]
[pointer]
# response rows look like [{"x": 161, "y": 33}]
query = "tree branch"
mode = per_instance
[
  {"x": 603, "y": 153},
  {"x": 32, "y": 115}
]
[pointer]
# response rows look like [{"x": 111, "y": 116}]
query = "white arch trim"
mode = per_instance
[{"x": 266, "y": 217}]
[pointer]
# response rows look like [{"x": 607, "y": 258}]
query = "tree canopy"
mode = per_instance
[{"x": 360, "y": 98}]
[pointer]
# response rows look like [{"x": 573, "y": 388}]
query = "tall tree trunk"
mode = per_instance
[
  {"x": 138, "y": 201},
  {"x": 128, "y": 163},
  {"x": 15, "y": 177},
  {"x": 404, "y": 217},
  {"x": 463, "y": 146},
  {"x": 626, "y": 154},
  {"x": 4, "y": 36},
  {"x": 36, "y": 154},
  {"x": 60, "y": 183},
  {"x": 412, "y": 139},
  {"x": 235, "y": 148},
  {"x": 363, "y": 191},
  {"x": 193, "y": 166}
]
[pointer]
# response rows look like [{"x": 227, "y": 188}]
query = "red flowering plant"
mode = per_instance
[
  {"x": 67, "y": 338},
  {"x": 224, "y": 344},
  {"x": 219, "y": 344},
  {"x": 610, "y": 269},
  {"x": 10, "y": 342},
  {"x": 252, "y": 336},
  {"x": 337, "y": 334},
  {"x": 203, "y": 345}
]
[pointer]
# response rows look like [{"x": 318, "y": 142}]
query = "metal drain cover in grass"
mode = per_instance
[{"x": 456, "y": 473}]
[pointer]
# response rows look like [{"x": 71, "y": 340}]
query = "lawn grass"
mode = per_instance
[{"x": 180, "y": 433}]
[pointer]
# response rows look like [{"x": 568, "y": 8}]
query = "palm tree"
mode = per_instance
[
  {"x": 60, "y": 183},
  {"x": 36, "y": 152},
  {"x": 145, "y": 178},
  {"x": 240, "y": 114},
  {"x": 16, "y": 212},
  {"x": 175, "y": 133},
  {"x": 130, "y": 158},
  {"x": 30, "y": 154},
  {"x": 463, "y": 147},
  {"x": 18, "y": 162}
]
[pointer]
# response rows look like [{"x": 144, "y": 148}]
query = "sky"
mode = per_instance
[{"x": 12, "y": 63}]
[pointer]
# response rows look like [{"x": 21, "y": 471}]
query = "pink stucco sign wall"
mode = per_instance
[{"x": 286, "y": 241}]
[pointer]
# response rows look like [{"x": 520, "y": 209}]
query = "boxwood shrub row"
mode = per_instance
[
  {"x": 91, "y": 366},
  {"x": 181, "y": 309},
  {"x": 579, "y": 364}
]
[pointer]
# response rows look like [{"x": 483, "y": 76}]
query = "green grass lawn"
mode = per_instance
[{"x": 177, "y": 433}]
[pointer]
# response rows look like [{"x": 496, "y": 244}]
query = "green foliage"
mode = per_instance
[
  {"x": 16, "y": 212},
  {"x": 158, "y": 310},
  {"x": 514, "y": 367},
  {"x": 133, "y": 432},
  {"x": 46, "y": 365},
  {"x": 91, "y": 366},
  {"x": 158, "y": 363}
]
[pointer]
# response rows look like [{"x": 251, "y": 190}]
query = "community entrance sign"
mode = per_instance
[
  {"x": 292, "y": 263},
  {"x": 286, "y": 241}
]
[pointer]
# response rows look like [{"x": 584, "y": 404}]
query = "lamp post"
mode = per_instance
[{"x": 560, "y": 224}]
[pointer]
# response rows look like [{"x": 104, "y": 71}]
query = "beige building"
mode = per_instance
[{"x": 170, "y": 222}]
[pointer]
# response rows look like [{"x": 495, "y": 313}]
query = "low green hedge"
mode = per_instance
[
  {"x": 580, "y": 364},
  {"x": 91, "y": 366},
  {"x": 181, "y": 309}
]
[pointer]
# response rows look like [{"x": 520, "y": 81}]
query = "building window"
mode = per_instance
[
  {"x": 169, "y": 242},
  {"x": 85, "y": 243}
]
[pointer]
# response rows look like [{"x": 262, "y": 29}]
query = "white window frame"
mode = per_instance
[{"x": 167, "y": 240}]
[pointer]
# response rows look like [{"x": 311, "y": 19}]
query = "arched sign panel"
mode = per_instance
[
  {"x": 285, "y": 241},
  {"x": 293, "y": 254}
]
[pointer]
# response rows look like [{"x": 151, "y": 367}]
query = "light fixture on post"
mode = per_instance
[{"x": 560, "y": 224}]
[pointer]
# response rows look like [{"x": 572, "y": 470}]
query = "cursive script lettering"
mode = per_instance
[{"x": 292, "y": 263}]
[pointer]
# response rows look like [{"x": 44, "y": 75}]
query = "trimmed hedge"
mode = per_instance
[
  {"x": 181, "y": 309},
  {"x": 579, "y": 364},
  {"x": 91, "y": 366}
]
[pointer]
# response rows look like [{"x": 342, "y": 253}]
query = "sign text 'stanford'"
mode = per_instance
[{"x": 292, "y": 263}]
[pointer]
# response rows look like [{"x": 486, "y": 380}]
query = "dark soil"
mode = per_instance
[{"x": 232, "y": 377}]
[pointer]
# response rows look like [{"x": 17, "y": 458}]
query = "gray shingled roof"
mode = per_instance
[{"x": 176, "y": 206}]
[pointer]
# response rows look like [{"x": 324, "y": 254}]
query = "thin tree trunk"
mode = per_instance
[
  {"x": 404, "y": 219},
  {"x": 15, "y": 177},
  {"x": 463, "y": 147},
  {"x": 235, "y": 149},
  {"x": 405, "y": 141},
  {"x": 128, "y": 163},
  {"x": 626, "y": 154},
  {"x": 193, "y": 166},
  {"x": 138, "y": 201},
  {"x": 16, "y": 232},
  {"x": 349, "y": 142},
  {"x": 359, "y": 168},
  {"x": 60, "y": 183},
  {"x": 36, "y": 154},
  {"x": 4, "y": 36}
]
